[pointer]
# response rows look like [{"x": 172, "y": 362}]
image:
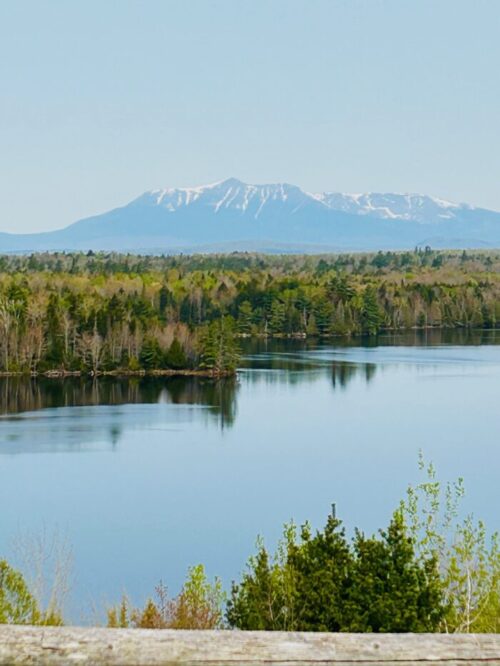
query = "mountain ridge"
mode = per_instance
[{"x": 231, "y": 213}]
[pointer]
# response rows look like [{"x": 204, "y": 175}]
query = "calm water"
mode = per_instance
[{"x": 149, "y": 476}]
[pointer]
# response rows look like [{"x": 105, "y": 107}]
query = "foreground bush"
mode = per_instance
[
  {"x": 322, "y": 582},
  {"x": 429, "y": 571},
  {"x": 17, "y": 604},
  {"x": 468, "y": 562},
  {"x": 199, "y": 605}
]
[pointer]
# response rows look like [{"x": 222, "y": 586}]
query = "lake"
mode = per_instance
[{"x": 148, "y": 476}]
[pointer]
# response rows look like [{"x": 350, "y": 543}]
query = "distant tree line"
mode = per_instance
[{"x": 107, "y": 312}]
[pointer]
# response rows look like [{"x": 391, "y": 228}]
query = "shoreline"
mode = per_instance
[
  {"x": 167, "y": 372},
  {"x": 211, "y": 374}
]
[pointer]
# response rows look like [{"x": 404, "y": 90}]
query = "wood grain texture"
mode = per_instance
[{"x": 54, "y": 646}]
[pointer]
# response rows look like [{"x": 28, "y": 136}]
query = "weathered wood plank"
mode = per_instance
[{"x": 54, "y": 646}]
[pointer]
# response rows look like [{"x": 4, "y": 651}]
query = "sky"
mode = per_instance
[{"x": 103, "y": 100}]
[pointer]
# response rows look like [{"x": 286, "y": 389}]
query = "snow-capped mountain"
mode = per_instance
[
  {"x": 233, "y": 215},
  {"x": 252, "y": 199},
  {"x": 231, "y": 193},
  {"x": 414, "y": 207}
]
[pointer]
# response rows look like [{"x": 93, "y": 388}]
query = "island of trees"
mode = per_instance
[{"x": 109, "y": 313}]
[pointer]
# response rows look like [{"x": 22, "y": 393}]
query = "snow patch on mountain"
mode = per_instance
[
  {"x": 414, "y": 207},
  {"x": 228, "y": 194},
  {"x": 242, "y": 198}
]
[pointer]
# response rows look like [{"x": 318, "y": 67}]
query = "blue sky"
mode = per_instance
[{"x": 101, "y": 100}]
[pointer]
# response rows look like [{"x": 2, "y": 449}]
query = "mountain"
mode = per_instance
[{"x": 232, "y": 215}]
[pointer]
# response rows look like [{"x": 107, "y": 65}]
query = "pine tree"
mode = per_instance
[
  {"x": 371, "y": 313},
  {"x": 321, "y": 566},
  {"x": 391, "y": 590},
  {"x": 175, "y": 357},
  {"x": 254, "y": 604},
  {"x": 219, "y": 349},
  {"x": 277, "y": 318},
  {"x": 245, "y": 316},
  {"x": 151, "y": 354}
]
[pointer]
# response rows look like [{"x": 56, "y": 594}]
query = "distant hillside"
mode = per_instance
[{"x": 231, "y": 215}]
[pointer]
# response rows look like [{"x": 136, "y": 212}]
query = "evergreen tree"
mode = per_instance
[
  {"x": 324, "y": 315},
  {"x": 219, "y": 349},
  {"x": 265, "y": 598},
  {"x": 254, "y": 604},
  {"x": 277, "y": 317},
  {"x": 322, "y": 565},
  {"x": 175, "y": 357},
  {"x": 371, "y": 313},
  {"x": 323, "y": 583},
  {"x": 391, "y": 590},
  {"x": 245, "y": 315},
  {"x": 151, "y": 355}
]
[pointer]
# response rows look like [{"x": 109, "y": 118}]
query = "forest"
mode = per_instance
[{"x": 100, "y": 313}]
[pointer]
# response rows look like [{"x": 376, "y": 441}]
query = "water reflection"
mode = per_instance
[
  {"x": 257, "y": 349},
  {"x": 19, "y": 394},
  {"x": 41, "y": 415},
  {"x": 265, "y": 357},
  {"x": 75, "y": 414},
  {"x": 343, "y": 372}
]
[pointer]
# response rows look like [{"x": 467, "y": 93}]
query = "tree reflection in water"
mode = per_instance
[
  {"x": 20, "y": 394},
  {"x": 265, "y": 362},
  {"x": 343, "y": 372}
]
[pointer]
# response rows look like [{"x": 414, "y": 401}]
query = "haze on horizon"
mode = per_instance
[{"x": 102, "y": 101}]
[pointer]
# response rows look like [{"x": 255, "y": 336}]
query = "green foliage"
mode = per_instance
[
  {"x": 473, "y": 580},
  {"x": 245, "y": 318},
  {"x": 468, "y": 562},
  {"x": 219, "y": 351},
  {"x": 370, "y": 312},
  {"x": 199, "y": 605},
  {"x": 175, "y": 357},
  {"x": 151, "y": 356},
  {"x": 103, "y": 312},
  {"x": 17, "y": 604},
  {"x": 45, "y": 559},
  {"x": 133, "y": 364},
  {"x": 265, "y": 598},
  {"x": 322, "y": 566},
  {"x": 390, "y": 589},
  {"x": 322, "y": 583},
  {"x": 277, "y": 317},
  {"x": 119, "y": 616},
  {"x": 429, "y": 571}
]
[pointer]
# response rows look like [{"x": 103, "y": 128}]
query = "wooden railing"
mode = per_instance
[{"x": 54, "y": 646}]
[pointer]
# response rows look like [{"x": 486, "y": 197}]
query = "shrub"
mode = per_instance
[
  {"x": 323, "y": 583},
  {"x": 17, "y": 604},
  {"x": 468, "y": 562},
  {"x": 199, "y": 605}
]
